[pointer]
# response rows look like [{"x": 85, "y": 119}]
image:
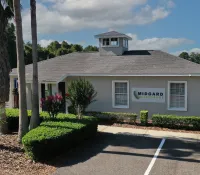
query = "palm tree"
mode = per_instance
[
  {"x": 6, "y": 13},
  {"x": 35, "y": 120},
  {"x": 23, "y": 119}
]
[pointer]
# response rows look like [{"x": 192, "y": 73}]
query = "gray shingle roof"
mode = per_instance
[
  {"x": 113, "y": 34},
  {"x": 146, "y": 62}
]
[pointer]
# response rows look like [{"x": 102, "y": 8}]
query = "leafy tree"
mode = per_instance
[
  {"x": 28, "y": 53},
  {"x": 6, "y": 13},
  {"x": 91, "y": 49},
  {"x": 65, "y": 45},
  {"x": 53, "y": 47},
  {"x": 10, "y": 29},
  {"x": 184, "y": 55},
  {"x": 76, "y": 48},
  {"x": 194, "y": 57},
  {"x": 62, "y": 51},
  {"x": 81, "y": 93}
]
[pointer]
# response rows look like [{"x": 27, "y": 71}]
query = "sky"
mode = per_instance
[{"x": 169, "y": 25}]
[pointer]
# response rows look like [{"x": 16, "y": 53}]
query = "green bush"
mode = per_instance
[
  {"x": 117, "y": 116},
  {"x": 13, "y": 118},
  {"x": 177, "y": 122},
  {"x": 81, "y": 94},
  {"x": 52, "y": 138},
  {"x": 144, "y": 117}
]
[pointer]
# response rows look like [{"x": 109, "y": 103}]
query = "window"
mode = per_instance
[
  {"x": 114, "y": 42},
  {"x": 177, "y": 95},
  {"x": 125, "y": 43},
  {"x": 106, "y": 42},
  {"x": 120, "y": 94},
  {"x": 48, "y": 90}
]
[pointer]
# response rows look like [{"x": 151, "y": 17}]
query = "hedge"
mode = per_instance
[
  {"x": 13, "y": 118},
  {"x": 144, "y": 117},
  {"x": 177, "y": 122},
  {"x": 52, "y": 138},
  {"x": 121, "y": 117}
]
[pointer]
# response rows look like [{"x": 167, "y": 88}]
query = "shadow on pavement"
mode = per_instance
[{"x": 173, "y": 149}]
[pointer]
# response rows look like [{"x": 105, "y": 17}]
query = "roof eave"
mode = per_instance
[{"x": 113, "y": 36}]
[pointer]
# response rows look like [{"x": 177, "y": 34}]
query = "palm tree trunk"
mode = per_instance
[
  {"x": 35, "y": 119},
  {"x": 4, "y": 72},
  {"x": 23, "y": 119}
]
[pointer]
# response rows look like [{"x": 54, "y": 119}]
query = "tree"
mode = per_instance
[
  {"x": 28, "y": 53},
  {"x": 65, "y": 45},
  {"x": 53, "y": 47},
  {"x": 184, "y": 55},
  {"x": 76, "y": 48},
  {"x": 35, "y": 118},
  {"x": 194, "y": 57},
  {"x": 23, "y": 119},
  {"x": 91, "y": 49},
  {"x": 80, "y": 94},
  {"x": 6, "y": 13},
  {"x": 10, "y": 29}
]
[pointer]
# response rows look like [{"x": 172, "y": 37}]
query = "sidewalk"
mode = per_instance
[{"x": 149, "y": 133}]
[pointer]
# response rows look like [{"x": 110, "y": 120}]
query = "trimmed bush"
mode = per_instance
[
  {"x": 52, "y": 138},
  {"x": 118, "y": 116},
  {"x": 176, "y": 122},
  {"x": 13, "y": 118},
  {"x": 144, "y": 117}
]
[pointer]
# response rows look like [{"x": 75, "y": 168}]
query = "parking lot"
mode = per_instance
[{"x": 133, "y": 154}]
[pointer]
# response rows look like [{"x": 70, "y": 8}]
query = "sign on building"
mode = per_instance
[{"x": 156, "y": 95}]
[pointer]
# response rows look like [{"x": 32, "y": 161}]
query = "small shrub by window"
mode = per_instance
[
  {"x": 81, "y": 94},
  {"x": 144, "y": 117}
]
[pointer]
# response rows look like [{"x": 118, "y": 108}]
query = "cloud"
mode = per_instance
[
  {"x": 45, "y": 43},
  {"x": 61, "y": 16},
  {"x": 156, "y": 43},
  {"x": 195, "y": 50}
]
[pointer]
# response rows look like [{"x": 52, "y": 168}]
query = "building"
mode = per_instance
[{"x": 126, "y": 80}]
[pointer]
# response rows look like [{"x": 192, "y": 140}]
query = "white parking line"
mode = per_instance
[{"x": 155, "y": 157}]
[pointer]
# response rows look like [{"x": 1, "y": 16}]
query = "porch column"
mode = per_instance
[
  {"x": 29, "y": 96},
  {"x": 11, "y": 97},
  {"x": 67, "y": 102},
  {"x": 40, "y": 95},
  {"x": 55, "y": 89}
]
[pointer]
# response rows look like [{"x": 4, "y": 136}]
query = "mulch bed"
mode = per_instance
[
  {"x": 13, "y": 161},
  {"x": 150, "y": 127}
]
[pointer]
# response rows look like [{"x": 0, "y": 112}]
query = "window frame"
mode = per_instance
[
  {"x": 110, "y": 42},
  {"x": 113, "y": 94},
  {"x": 125, "y": 43},
  {"x": 186, "y": 96}
]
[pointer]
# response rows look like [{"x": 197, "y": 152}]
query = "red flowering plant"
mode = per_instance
[
  {"x": 52, "y": 104},
  {"x": 81, "y": 94}
]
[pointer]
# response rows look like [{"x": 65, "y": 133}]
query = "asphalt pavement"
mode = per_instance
[{"x": 130, "y": 154}]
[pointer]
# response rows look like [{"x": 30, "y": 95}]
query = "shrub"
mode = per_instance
[
  {"x": 173, "y": 121},
  {"x": 81, "y": 93},
  {"x": 13, "y": 118},
  {"x": 118, "y": 116},
  {"x": 52, "y": 104},
  {"x": 52, "y": 138},
  {"x": 144, "y": 117}
]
